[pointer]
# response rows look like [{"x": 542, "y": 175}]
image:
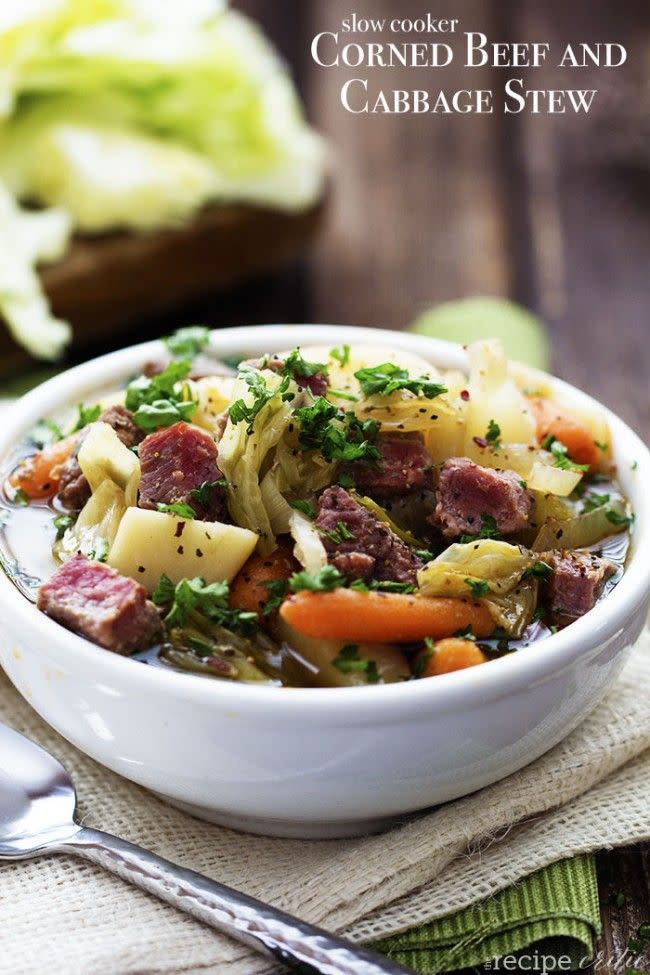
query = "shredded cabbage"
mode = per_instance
[
  {"x": 498, "y": 564},
  {"x": 102, "y": 456},
  {"x": 243, "y": 453},
  {"x": 495, "y": 396},
  {"x": 96, "y": 526},
  {"x": 309, "y": 548},
  {"x": 135, "y": 113},
  {"x": 514, "y": 611},
  {"x": 27, "y": 239}
]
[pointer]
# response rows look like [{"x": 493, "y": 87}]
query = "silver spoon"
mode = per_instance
[{"x": 37, "y": 803}]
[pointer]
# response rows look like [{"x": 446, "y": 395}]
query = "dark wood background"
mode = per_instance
[{"x": 552, "y": 212}]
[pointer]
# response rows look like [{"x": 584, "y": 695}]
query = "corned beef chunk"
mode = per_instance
[
  {"x": 74, "y": 489},
  {"x": 577, "y": 582},
  {"x": 97, "y": 602},
  {"x": 404, "y": 466},
  {"x": 373, "y": 551},
  {"x": 468, "y": 492},
  {"x": 176, "y": 461},
  {"x": 122, "y": 422},
  {"x": 317, "y": 384}
]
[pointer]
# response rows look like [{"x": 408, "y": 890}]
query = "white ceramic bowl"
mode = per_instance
[{"x": 317, "y": 762}]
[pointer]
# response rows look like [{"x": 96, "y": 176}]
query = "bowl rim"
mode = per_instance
[{"x": 504, "y": 675}]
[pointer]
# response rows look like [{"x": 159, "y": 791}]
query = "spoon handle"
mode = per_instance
[{"x": 298, "y": 945}]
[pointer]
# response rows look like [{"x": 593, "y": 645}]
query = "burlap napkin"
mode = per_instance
[{"x": 58, "y": 914}]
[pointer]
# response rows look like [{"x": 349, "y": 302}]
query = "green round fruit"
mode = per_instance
[{"x": 523, "y": 335}]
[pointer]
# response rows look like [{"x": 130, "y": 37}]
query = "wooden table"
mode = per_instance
[{"x": 426, "y": 209}]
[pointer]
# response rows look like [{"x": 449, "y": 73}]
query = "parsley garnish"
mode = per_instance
[
  {"x": 561, "y": 454},
  {"x": 425, "y": 554},
  {"x": 305, "y": 507},
  {"x": 188, "y": 342},
  {"x": 621, "y": 520},
  {"x": 99, "y": 552},
  {"x": 203, "y": 493},
  {"x": 45, "y": 432},
  {"x": 348, "y": 661},
  {"x": 343, "y": 394},
  {"x": 180, "y": 508},
  {"x": 604, "y": 447},
  {"x": 194, "y": 596},
  {"x": 297, "y": 367},
  {"x": 86, "y": 415},
  {"x": 20, "y": 498},
  {"x": 155, "y": 401},
  {"x": 421, "y": 661},
  {"x": 388, "y": 585},
  {"x": 523, "y": 484},
  {"x": 346, "y": 481},
  {"x": 539, "y": 570},
  {"x": 341, "y": 534},
  {"x": 277, "y": 591},
  {"x": 325, "y": 580},
  {"x": 478, "y": 587},
  {"x": 387, "y": 378},
  {"x": 493, "y": 434},
  {"x": 465, "y": 634},
  {"x": 341, "y": 353},
  {"x": 62, "y": 523},
  {"x": 337, "y": 435},
  {"x": 240, "y": 411},
  {"x": 488, "y": 530},
  {"x": 594, "y": 501}
]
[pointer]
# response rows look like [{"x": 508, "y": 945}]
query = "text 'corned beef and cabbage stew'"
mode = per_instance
[{"x": 328, "y": 516}]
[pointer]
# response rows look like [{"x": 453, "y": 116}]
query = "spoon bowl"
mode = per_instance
[
  {"x": 37, "y": 803},
  {"x": 37, "y": 797}
]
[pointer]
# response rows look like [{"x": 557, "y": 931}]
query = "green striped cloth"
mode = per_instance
[{"x": 554, "y": 912}]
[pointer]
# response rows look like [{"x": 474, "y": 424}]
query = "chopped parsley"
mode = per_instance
[
  {"x": 465, "y": 634},
  {"x": 62, "y": 523},
  {"x": 45, "y": 432},
  {"x": 343, "y": 394},
  {"x": 488, "y": 530},
  {"x": 277, "y": 591},
  {"x": 425, "y": 554},
  {"x": 188, "y": 342},
  {"x": 304, "y": 507},
  {"x": 604, "y": 447},
  {"x": 561, "y": 454},
  {"x": 156, "y": 402},
  {"x": 593, "y": 501},
  {"x": 325, "y": 580},
  {"x": 20, "y": 498},
  {"x": 348, "y": 661},
  {"x": 340, "y": 534},
  {"x": 297, "y": 367},
  {"x": 98, "y": 552},
  {"x": 346, "y": 481},
  {"x": 241, "y": 412},
  {"x": 523, "y": 484},
  {"x": 194, "y": 596},
  {"x": 337, "y": 435},
  {"x": 623, "y": 521},
  {"x": 386, "y": 585},
  {"x": 341, "y": 354},
  {"x": 86, "y": 415},
  {"x": 493, "y": 435},
  {"x": 387, "y": 378},
  {"x": 539, "y": 570},
  {"x": 203, "y": 493},
  {"x": 180, "y": 508},
  {"x": 477, "y": 587}
]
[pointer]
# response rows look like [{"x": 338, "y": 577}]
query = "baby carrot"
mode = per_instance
[
  {"x": 380, "y": 617},
  {"x": 249, "y": 591},
  {"x": 39, "y": 475},
  {"x": 575, "y": 436},
  {"x": 449, "y": 655}
]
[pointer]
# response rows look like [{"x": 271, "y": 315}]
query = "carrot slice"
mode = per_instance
[
  {"x": 452, "y": 654},
  {"x": 39, "y": 475},
  {"x": 248, "y": 590},
  {"x": 576, "y": 437},
  {"x": 380, "y": 617}
]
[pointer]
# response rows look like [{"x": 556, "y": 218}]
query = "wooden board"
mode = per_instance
[{"x": 107, "y": 284}]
